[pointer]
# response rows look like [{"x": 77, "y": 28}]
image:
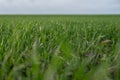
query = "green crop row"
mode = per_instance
[{"x": 60, "y": 47}]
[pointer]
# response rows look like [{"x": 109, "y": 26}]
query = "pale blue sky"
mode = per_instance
[{"x": 59, "y": 7}]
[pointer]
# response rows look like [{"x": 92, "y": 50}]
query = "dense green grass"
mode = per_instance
[{"x": 60, "y": 47}]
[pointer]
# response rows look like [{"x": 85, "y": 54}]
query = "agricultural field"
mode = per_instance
[{"x": 59, "y": 47}]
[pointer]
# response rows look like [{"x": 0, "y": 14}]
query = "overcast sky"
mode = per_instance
[{"x": 59, "y": 7}]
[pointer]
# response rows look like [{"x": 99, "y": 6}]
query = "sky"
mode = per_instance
[{"x": 59, "y": 6}]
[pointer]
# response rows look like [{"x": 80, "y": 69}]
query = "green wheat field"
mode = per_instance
[{"x": 59, "y": 47}]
